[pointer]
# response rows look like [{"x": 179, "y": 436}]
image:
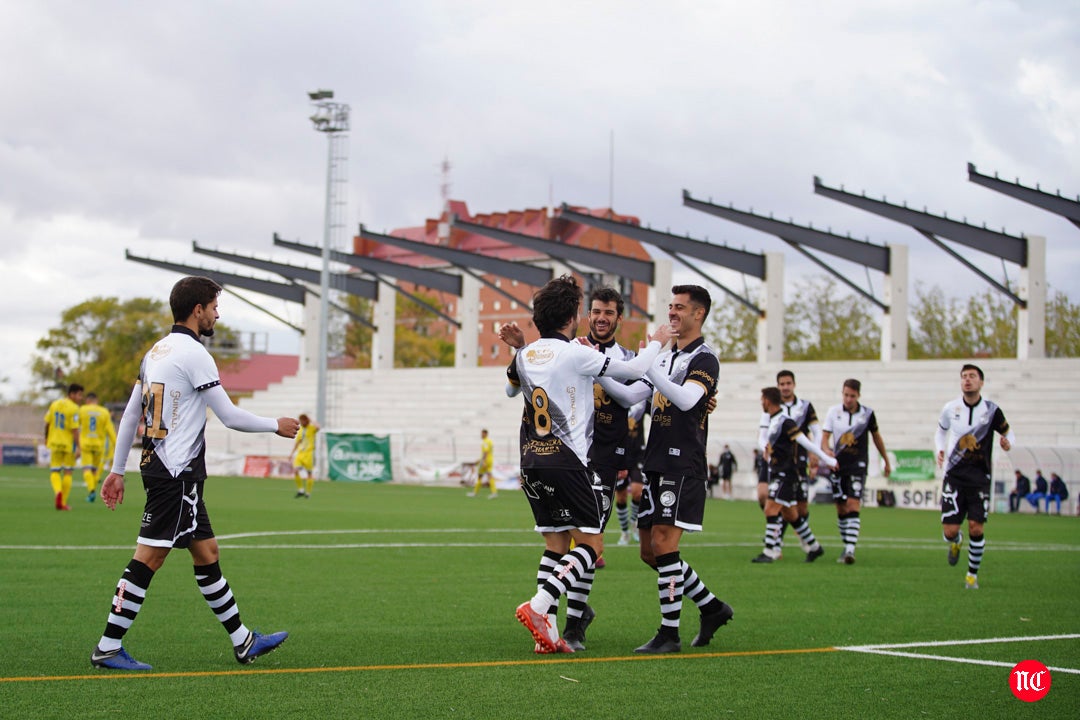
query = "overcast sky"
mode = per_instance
[{"x": 143, "y": 126}]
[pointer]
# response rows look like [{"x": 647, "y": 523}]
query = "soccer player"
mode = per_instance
[
  {"x": 964, "y": 442},
  {"x": 727, "y": 465},
  {"x": 97, "y": 442},
  {"x": 681, "y": 383},
  {"x": 484, "y": 466},
  {"x": 178, "y": 380},
  {"x": 782, "y": 439},
  {"x": 303, "y": 455},
  {"x": 569, "y": 501},
  {"x": 843, "y": 437},
  {"x": 62, "y": 439},
  {"x": 803, "y": 413}
]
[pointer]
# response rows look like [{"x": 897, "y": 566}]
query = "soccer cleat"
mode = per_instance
[
  {"x": 711, "y": 623},
  {"x": 971, "y": 582},
  {"x": 574, "y": 634},
  {"x": 91, "y": 496},
  {"x": 624, "y": 538},
  {"x": 848, "y": 558},
  {"x": 492, "y": 496},
  {"x": 660, "y": 644},
  {"x": 470, "y": 494},
  {"x": 762, "y": 558},
  {"x": 59, "y": 501},
  {"x": 635, "y": 536},
  {"x": 117, "y": 659},
  {"x": 257, "y": 645},
  {"x": 539, "y": 626},
  {"x": 299, "y": 494},
  {"x": 813, "y": 555},
  {"x": 954, "y": 552}
]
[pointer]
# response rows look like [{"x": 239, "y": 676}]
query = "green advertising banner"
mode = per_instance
[
  {"x": 359, "y": 457},
  {"x": 913, "y": 465}
]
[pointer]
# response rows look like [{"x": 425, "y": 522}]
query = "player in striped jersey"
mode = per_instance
[
  {"x": 62, "y": 439},
  {"x": 178, "y": 381},
  {"x": 568, "y": 499},
  {"x": 97, "y": 442},
  {"x": 964, "y": 442},
  {"x": 782, "y": 440},
  {"x": 844, "y": 436}
]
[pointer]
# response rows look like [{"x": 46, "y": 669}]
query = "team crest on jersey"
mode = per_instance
[
  {"x": 539, "y": 356},
  {"x": 159, "y": 351},
  {"x": 968, "y": 443},
  {"x": 847, "y": 440},
  {"x": 667, "y": 498}
]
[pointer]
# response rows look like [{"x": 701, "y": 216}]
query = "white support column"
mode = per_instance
[
  {"x": 382, "y": 340},
  {"x": 770, "y": 339},
  {"x": 468, "y": 314},
  {"x": 894, "y": 324},
  {"x": 660, "y": 292},
  {"x": 1031, "y": 321},
  {"x": 309, "y": 344}
]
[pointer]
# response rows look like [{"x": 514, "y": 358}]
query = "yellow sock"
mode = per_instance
[
  {"x": 310, "y": 484},
  {"x": 476, "y": 487},
  {"x": 54, "y": 480},
  {"x": 491, "y": 484},
  {"x": 90, "y": 478},
  {"x": 66, "y": 489},
  {"x": 299, "y": 483}
]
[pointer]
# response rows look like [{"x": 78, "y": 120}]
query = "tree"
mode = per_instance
[
  {"x": 415, "y": 345},
  {"x": 982, "y": 326},
  {"x": 99, "y": 344},
  {"x": 822, "y": 323},
  {"x": 731, "y": 330},
  {"x": 1062, "y": 326},
  {"x": 356, "y": 337}
]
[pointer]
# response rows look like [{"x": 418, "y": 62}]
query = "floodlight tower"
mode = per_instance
[{"x": 333, "y": 119}]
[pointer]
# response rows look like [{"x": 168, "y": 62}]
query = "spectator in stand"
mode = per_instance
[
  {"x": 1040, "y": 490},
  {"x": 1058, "y": 492},
  {"x": 1020, "y": 492}
]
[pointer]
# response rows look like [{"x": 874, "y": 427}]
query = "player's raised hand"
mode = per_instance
[
  {"x": 662, "y": 335},
  {"x": 287, "y": 427},
  {"x": 512, "y": 335}
]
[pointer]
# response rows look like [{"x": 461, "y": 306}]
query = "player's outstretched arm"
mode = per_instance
[
  {"x": 287, "y": 427},
  {"x": 816, "y": 450},
  {"x": 235, "y": 418}
]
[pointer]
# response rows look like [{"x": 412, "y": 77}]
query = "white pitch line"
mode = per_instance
[{"x": 886, "y": 649}]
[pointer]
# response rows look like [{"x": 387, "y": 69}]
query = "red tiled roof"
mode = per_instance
[{"x": 257, "y": 372}]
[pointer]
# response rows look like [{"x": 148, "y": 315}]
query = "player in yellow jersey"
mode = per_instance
[
  {"x": 484, "y": 466},
  {"x": 62, "y": 439},
  {"x": 303, "y": 454},
  {"x": 97, "y": 442}
]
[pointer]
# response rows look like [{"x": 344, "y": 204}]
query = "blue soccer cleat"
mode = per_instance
[
  {"x": 257, "y": 645},
  {"x": 116, "y": 660}
]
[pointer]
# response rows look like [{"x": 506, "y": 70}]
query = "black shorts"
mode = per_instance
[
  {"x": 802, "y": 489},
  {"x": 174, "y": 514},
  {"x": 783, "y": 488},
  {"x": 677, "y": 500},
  {"x": 563, "y": 499},
  {"x": 847, "y": 487},
  {"x": 958, "y": 501},
  {"x": 609, "y": 479}
]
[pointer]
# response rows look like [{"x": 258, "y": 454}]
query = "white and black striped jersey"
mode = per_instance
[
  {"x": 677, "y": 438},
  {"x": 611, "y": 429},
  {"x": 556, "y": 379},
  {"x": 173, "y": 376},
  {"x": 969, "y": 440},
  {"x": 850, "y": 435},
  {"x": 805, "y": 417},
  {"x": 781, "y": 446}
]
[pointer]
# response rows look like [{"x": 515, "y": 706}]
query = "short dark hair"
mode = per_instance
[
  {"x": 91, "y": 396},
  {"x": 976, "y": 368},
  {"x": 607, "y": 294},
  {"x": 74, "y": 388},
  {"x": 772, "y": 394},
  {"x": 189, "y": 292},
  {"x": 556, "y": 304},
  {"x": 698, "y": 295},
  {"x": 853, "y": 384},
  {"x": 785, "y": 373}
]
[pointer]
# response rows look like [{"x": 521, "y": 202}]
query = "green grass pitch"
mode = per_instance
[{"x": 400, "y": 601}]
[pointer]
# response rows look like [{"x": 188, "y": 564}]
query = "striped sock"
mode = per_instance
[
  {"x": 127, "y": 601},
  {"x": 569, "y": 571},
  {"x": 623, "y": 513},
  {"x": 670, "y": 584},
  {"x": 578, "y": 594},
  {"x": 772, "y": 535},
  {"x": 219, "y": 597},
  {"x": 802, "y": 527},
  {"x": 695, "y": 589},
  {"x": 548, "y": 562},
  {"x": 976, "y": 546}
]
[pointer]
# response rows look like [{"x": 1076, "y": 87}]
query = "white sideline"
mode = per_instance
[{"x": 887, "y": 649}]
